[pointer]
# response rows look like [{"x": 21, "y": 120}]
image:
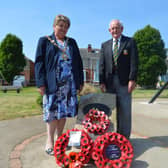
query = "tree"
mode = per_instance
[
  {"x": 12, "y": 59},
  {"x": 152, "y": 55}
]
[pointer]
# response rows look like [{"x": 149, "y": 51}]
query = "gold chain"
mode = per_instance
[{"x": 64, "y": 55}]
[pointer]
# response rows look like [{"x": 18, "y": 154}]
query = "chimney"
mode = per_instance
[{"x": 89, "y": 48}]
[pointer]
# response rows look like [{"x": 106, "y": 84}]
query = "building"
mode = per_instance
[
  {"x": 28, "y": 72},
  {"x": 90, "y": 59}
]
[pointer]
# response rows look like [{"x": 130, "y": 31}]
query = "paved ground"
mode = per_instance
[
  {"x": 151, "y": 133},
  {"x": 22, "y": 140}
]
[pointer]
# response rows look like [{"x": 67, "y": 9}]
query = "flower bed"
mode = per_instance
[
  {"x": 74, "y": 159},
  {"x": 96, "y": 121},
  {"x": 112, "y": 150}
]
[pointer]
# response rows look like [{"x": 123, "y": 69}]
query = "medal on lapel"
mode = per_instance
[{"x": 125, "y": 52}]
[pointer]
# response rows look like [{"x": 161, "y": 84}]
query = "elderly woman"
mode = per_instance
[{"x": 59, "y": 76}]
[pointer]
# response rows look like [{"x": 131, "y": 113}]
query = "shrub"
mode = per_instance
[
  {"x": 88, "y": 88},
  {"x": 39, "y": 100}
]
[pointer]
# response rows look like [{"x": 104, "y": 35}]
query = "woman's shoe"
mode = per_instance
[{"x": 50, "y": 151}]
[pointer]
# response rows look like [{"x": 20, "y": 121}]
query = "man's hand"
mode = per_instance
[
  {"x": 131, "y": 86},
  {"x": 103, "y": 87},
  {"x": 41, "y": 90}
]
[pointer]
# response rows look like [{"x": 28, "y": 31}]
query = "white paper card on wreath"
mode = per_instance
[{"x": 74, "y": 138}]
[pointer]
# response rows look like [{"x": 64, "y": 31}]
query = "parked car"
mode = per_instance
[{"x": 19, "y": 80}]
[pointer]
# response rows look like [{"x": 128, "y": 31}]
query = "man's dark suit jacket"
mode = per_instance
[
  {"x": 45, "y": 64},
  {"x": 127, "y": 62}
]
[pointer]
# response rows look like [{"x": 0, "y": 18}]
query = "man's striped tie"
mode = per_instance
[{"x": 115, "y": 51}]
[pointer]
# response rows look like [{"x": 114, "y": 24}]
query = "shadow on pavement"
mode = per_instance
[
  {"x": 142, "y": 145},
  {"x": 139, "y": 164}
]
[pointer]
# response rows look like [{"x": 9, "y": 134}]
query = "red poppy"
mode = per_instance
[
  {"x": 127, "y": 164},
  {"x": 98, "y": 128},
  {"x": 73, "y": 156},
  {"x": 108, "y": 165},
  {"x": 104, "y": 117},
  {"x": 99, "y": 147},
  {"x": 87, "y": 120},
  {"x": 99, "y": 164},
  {"x": 57, "y": 150},
  {"x": 86, "y": 148},
  {"x": 84, "y": 141},
  {"x": 88, "y": 125},
  {"x": 118, "y": 163},
  {"x": 95, "y": 156},
  {"x": 66, "y": 161},
  {"x": 129, "y": 155},
  {"x": 81, "y": 157}
]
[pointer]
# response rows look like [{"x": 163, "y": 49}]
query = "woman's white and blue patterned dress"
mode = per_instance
[{"x": 62, "y": 103}]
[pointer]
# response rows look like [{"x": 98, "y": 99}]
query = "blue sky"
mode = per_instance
[{"x": 31, "y": 19}]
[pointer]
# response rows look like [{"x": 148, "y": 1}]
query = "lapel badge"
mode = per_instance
[{"x": 125, "y": 52}]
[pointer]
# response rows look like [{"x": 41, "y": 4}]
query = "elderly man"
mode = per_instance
[{"x": 118, "y": 72}]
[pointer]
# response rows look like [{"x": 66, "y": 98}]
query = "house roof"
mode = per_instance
[{"x": 28, "y": 59}]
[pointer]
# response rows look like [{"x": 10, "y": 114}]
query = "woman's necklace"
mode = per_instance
[{"x": 64, "y": 54}]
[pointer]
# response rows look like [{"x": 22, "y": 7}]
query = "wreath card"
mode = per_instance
[{"x": 75, "y": 138}]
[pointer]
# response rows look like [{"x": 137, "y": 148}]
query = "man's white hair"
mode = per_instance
[{"x": 116, "y": 20}]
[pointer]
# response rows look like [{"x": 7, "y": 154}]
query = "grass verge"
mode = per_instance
[{"x": 23, "y": 104}]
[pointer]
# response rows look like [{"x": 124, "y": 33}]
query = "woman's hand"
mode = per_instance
[{"x": 41, "y": 90}]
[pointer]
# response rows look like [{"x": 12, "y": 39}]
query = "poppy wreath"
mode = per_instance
[
  {"x": 73, "y": 160},
  {"x": 125, "y": 151},
  {"x": 96, "y": 121}
]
